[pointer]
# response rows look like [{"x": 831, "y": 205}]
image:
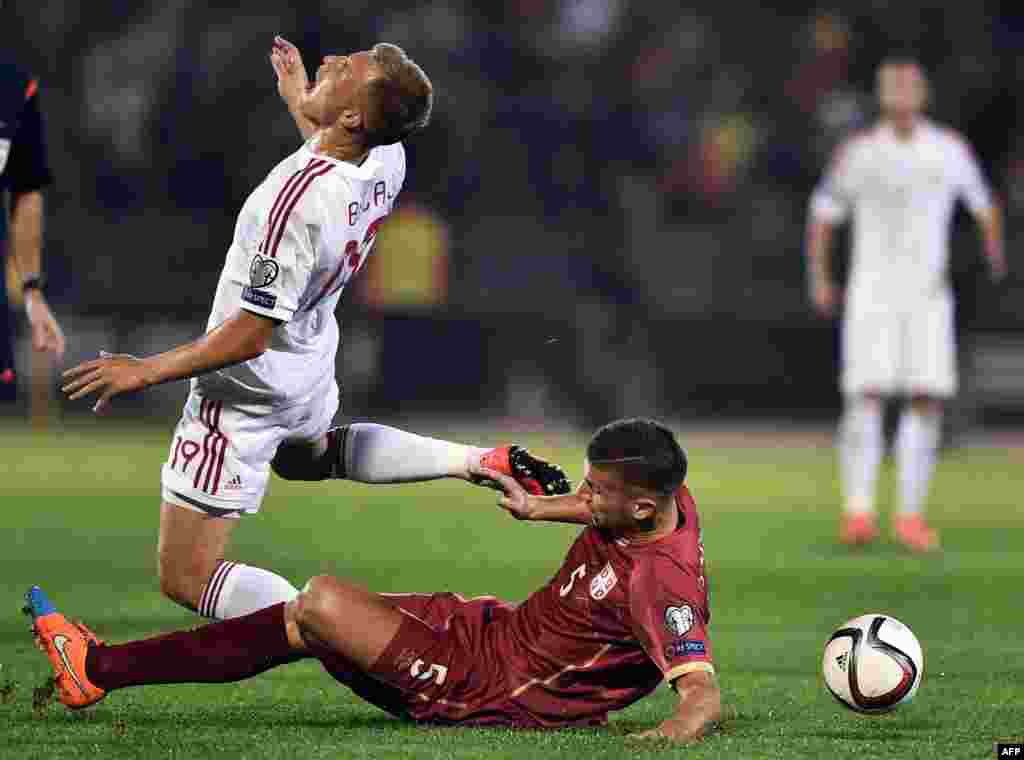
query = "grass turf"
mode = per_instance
[{"x": 79, "y": 517}]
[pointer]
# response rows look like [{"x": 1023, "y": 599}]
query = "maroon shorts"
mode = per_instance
[{"x": 443, "y": 666}]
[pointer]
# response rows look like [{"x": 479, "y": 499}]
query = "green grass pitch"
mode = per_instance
[{"x": 78, "y": 515}]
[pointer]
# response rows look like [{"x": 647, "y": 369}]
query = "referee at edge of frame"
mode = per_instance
[{"x": 24, "y": 172}]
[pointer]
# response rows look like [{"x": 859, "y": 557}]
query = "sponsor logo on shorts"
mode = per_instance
[
  {"x": 684, "y": 648},
  {"x": 233, "y": 484},
  {"x": 259, "y": 298},
  {"x": 603, "y": 582},
  {"x": 679, "y": 620}
]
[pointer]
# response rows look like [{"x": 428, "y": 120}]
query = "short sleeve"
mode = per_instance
[
  {"x": 833, "y": 196},
  {"x": 28, "y": 168},
  {"x": 971, "y": 185},
  {"x": 669, "y": 613},
  {"x": 275, "y": 276}
]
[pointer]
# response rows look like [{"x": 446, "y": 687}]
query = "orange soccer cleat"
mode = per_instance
[
  {"x": 65, "y": 644},
  {"x": 858, "y": 529},
  {"x": 913, "y": 532},
  {"x": 538, "y": 477}
]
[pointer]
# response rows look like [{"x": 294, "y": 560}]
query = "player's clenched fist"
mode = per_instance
[{"x": 107, "y": 377}]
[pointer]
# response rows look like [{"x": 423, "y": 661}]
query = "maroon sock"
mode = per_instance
[{"x": 230, "y": 650}]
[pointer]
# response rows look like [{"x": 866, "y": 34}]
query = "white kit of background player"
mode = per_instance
[{"x": 898, "y": 183}]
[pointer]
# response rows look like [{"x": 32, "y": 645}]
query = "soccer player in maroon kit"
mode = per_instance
[{"x": 627, "y": 610}]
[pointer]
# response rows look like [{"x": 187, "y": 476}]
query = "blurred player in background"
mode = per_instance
[
  {"x": 899, "y": 181},
  {"x": 627, "y": 610},
  {"x": 24, "y": 172},
  {"x": 264, "y": 392}
]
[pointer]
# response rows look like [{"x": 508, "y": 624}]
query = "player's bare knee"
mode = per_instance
[
  {"x": 322, "y": 599},
  {"x": 313, "y": 602}
]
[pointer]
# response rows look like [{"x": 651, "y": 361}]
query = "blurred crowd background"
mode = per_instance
[{"x": 606, "y": 216}]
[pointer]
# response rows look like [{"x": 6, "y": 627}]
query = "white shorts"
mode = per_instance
[
  {"x": 905, "y": 350},
  {"x": 219, "y": 462}
]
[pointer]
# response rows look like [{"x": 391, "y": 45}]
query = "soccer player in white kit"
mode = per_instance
[
  {"x": 263, "y": 393},
  {"x": 899, "y": 181}
]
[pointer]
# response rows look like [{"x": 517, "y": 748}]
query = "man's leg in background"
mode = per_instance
[
  {"x": 917, "y": 444},
  {"x": 861, "y": 446}
]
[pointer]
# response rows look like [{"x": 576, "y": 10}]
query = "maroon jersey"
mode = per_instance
[{"x": 615, "y": 621}]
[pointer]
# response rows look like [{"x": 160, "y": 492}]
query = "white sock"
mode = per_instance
[
  {"x": 235, "y": 590},
  {"x": 381, "y": 454},
  {"x": 860, "y": 453},
  {"x": 917, "y": 442}
]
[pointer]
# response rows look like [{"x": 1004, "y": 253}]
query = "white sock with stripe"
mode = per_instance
[
  {"x": 917, "y": 442},
  {"x": 860, "y": 453},
  {"x": 235, "y": 590},
  {"x": 381, "y": 454}
]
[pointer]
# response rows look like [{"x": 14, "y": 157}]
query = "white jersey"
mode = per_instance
[
  {"x": 302, "y": 234},
  {"x": 902, "y": 195}
]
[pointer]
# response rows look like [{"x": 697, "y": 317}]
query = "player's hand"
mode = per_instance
[
  {"x": 825, "y": 296},
  {"x": 514, "y": 499},
  {"x": 108, "y": 376},
  {"x": 292, "y": 80},
  {"x": 997, "y": 269},
  {"x": 46, "y": 333},
  {"x": 673, "y": 729}
]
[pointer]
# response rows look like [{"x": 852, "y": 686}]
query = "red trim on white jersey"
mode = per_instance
[
  {"x": 319, "y": 169},
  {"x": 282, "y": 195}
]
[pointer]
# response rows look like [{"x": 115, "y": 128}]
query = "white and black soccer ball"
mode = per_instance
[{"x": 873, "y": 664}]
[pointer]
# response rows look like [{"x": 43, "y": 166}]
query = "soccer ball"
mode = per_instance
[{"x": 873, "y": 664}]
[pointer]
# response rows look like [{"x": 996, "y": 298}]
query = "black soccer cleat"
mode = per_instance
[{"x": 538, "y": 477}]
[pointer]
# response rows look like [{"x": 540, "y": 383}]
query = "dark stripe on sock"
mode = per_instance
[
  {"x": 204, "y": 601},
  {"x": 218, "y": 587}
]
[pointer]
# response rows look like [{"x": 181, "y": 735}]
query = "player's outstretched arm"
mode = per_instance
[
  {"x": 700, "y": 706},
  {"x": 568, "y": 508},
  {"x": 242, "y": 337},
  {"x": 292, "y": 82}
]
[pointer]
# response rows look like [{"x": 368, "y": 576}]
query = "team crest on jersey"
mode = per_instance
[
  {"x": 679, "y": 620},
  {"x": 262, "y": 272},
  {"x": 603, "y": 582}
]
